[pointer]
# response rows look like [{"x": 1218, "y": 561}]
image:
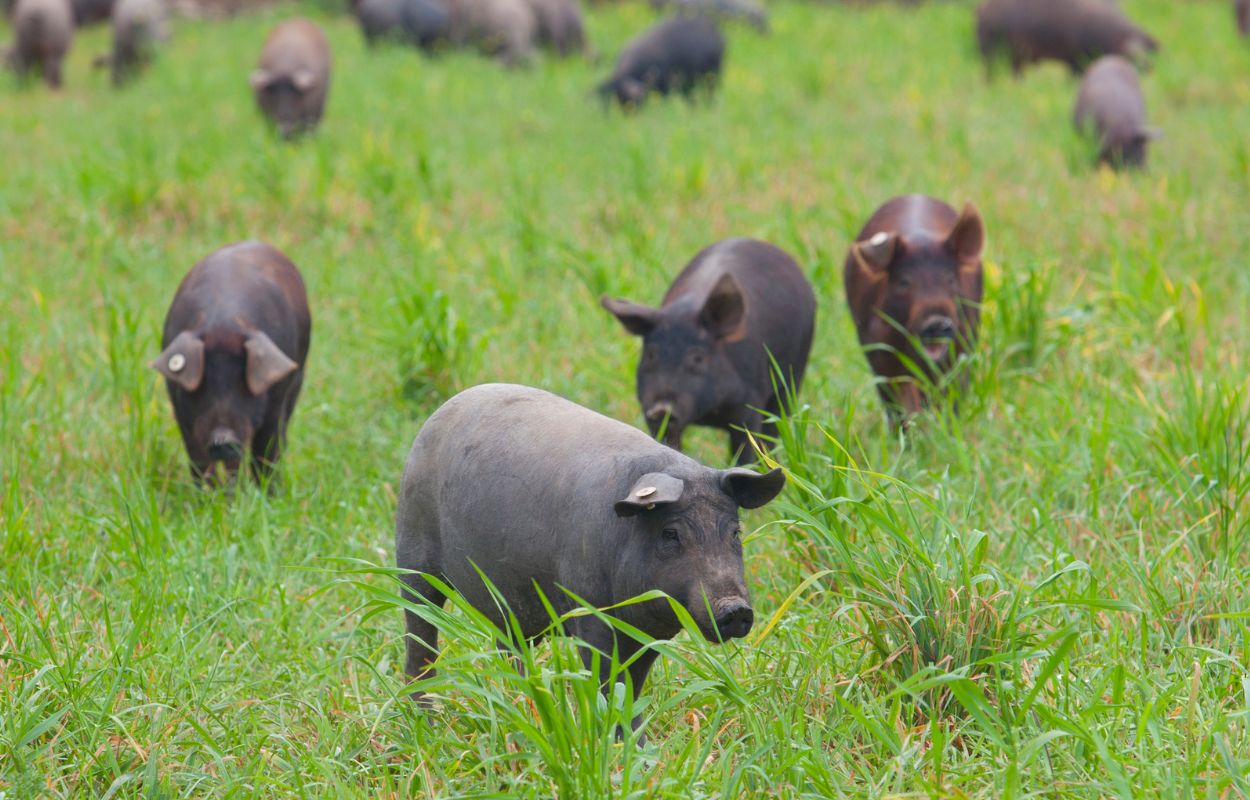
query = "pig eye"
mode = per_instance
[
  {"x": 670, "y": 535},
  {"x": 737, "y": 533},
  {"x": 904, "y": 283},
  {"x": 950, "y": 279}
]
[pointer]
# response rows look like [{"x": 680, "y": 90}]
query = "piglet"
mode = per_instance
[
  {"x": 293, "y": 77},
  {"x": 560, "y": 26},
  {"x": 705, "y": 350},
  {"x": 680, "y": 54},
  {"x": 1110, "y": 105},
  {"x": 507, "y": 30},
  {"x": 44, "y": 30},
  {"x": 236, "y": 340},
  {"x": 555, "y": 504},
  {"x": 913, "y": 283}
]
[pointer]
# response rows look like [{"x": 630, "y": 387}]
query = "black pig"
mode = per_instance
[
  {"x": 680, "y": 54},
  {"x": 1110, "y": 105},
  {"x": 914, "y": 275},
  {"x": 1242, "y": 10},
  {"x": 544, "y": 495},
  {"x": 236, "y": 338},
  {"x": 420, "y": 23},
  {"x": 44, "y": 30},
  {"x": 705, "y": 353}
]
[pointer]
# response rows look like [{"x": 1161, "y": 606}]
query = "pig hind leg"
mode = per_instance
[{"x": 422, "y": 640}]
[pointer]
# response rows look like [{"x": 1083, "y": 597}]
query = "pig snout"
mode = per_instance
[
  {"x": 734, "y": 618},
  {"x": 938, "y": 327},
  {"x": 224, "y": 445}
]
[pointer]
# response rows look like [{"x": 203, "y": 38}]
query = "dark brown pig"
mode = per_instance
[
  {"x": 1110, "y": 105},
  {"x": 913, "y": 282},
  {"x": 236, "y": 340},
  {"x": 293, "y": 77},
  {"x": 1074, "y": 32},
  {"x": 1242, "y": 9},
  {"x": 551, "y": 502},
  {"x": 705, "y": 351},
  {"x": 43, "y": 31},
  {"x": 420, "y": 23}
]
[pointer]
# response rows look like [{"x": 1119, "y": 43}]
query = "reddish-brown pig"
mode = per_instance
[
  {"x": 236, "y": 339},
  {"x": 1073, "y": 32},
  {"x": 913, "y": 282}
]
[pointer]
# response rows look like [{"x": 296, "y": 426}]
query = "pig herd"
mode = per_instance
[{"x": 550, "y": 502}]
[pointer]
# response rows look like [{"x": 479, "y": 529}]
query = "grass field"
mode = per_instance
[{"x": 1046, "y": 596}]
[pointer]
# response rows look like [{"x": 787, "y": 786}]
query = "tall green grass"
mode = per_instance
[{"x": 1044, "y": 594}]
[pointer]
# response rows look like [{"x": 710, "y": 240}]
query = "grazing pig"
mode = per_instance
[
  {"x": 420, "y": 23},
  {"x": 236, "y": 339},
  {"x": 504, "y": 29},
  {"x": 560, "y": 27},
  {"x": 139, "y": 26},
  {"x": 543, "y": 495},
  {"x": 679, "y": 54},
  {"x": 44, "y": 30},
  {"x": 1074, "y": 32},
  {"x": 706, "y": 350},
  {"x": 746, "y": 11},
  {"x": 1242, "y": 9},
  {"x": 293, "y": 77},
  {"x": 913, "y": 282},
  {"x": 1110, "y": 105}
]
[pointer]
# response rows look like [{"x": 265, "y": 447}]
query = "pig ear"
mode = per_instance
[
  {"x": 183, "y": 361},
  {"x": 967, "y": 238},
  {"x": 649, "y": 491},
  {"x": 725, "y": 310},
  {"x": 637, "y": 319},
  {"x": 749, "y": 488},
  {"x": 266, "y": 364},
  {"x": 873, "y": 256},
  {"x": 303, "y": 79},
  {"x": 259, "y": 79}
]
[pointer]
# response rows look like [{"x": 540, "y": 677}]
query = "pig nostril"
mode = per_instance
[
  {"x": 736, "y": 622},
  {"x": 225, "y": 451},
  {"x": 939, "y": 329}
]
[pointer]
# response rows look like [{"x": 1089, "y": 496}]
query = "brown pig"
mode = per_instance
[
  {"x": 236, "y": 339},
  {"x": 707, "y": 351},
  {"x": 293, "y": 76},
  {"x": 1242, "y": 9},
  {"x": 43, "y": 30},
  {"x": 1073, "y": 32},
  {"x": 913, "y": 282},
  {"x": 1110, "y": 105}
]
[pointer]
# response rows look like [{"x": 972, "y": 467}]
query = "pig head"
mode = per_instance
[
  {"x": 686, "y": 373},
  {"x": 914, "y": 284},
  {"x": 220, "y": 384}
]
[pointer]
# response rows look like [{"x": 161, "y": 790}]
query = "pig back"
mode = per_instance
[
  {"x": 522, "y": 483},
  {"x": 249, "y": 285},
  {"x": 780, "y": 303},
  {"x": 43, "y": 29},
  {"x": 1110, "y": 97},
  {"x": 294, "y": 45}
]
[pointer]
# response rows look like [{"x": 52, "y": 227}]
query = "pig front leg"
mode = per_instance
[{"x": 600, "y": 639}]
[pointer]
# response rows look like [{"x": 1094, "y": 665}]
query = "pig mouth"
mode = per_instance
[{"x": 937, "y": 350}]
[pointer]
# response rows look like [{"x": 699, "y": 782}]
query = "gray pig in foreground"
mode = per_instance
[
  {"x": 43, "y": 31},
  {"x": 706, "y": 351},
  {"x": 293, "y": 77},
  {"x": 236, "y": 338},
  {"x": 1110, "y": 105},
  {"x": 542, "y": 494},
  {"x": 139, "y": 26}
]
